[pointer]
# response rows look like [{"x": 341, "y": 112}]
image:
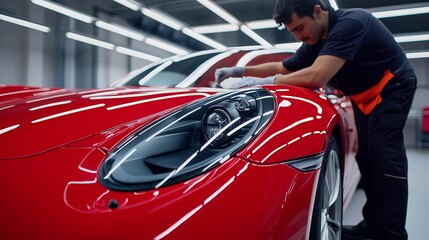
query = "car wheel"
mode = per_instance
[{"x": 328, "y": 206}]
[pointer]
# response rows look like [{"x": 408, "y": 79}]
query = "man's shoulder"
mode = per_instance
[{"x": 353, "y": 13}]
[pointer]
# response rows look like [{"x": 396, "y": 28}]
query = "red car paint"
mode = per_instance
[{"x": 53, "y": 142}]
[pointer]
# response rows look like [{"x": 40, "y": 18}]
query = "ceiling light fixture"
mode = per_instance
[
  {"x": 119, "y": 30},
  {"x": 89, "y": 40},
  {"x": 129, "y": 4},
  {"x": 333, "y": 4},
  {"x": 293, "y": 45},
  {"x": 64, "y": 10},
  {"x": 165, "y": 46},
  {"x": 138, "y": 54},
  {"x": 414, "y": 55},
  {"x": 255, "y": 36},
  {"x": 24, "y": 23},
  {"x": 401, "y": 12},
  {"x": 261, "y": 24},
  {"x": 412, "y": 38},
  {"x": 215, "y": 28},
  {"x": 203, "y": 39},
  {"x": 162, "y": 18},
  {"x": 219, "y": 11}
]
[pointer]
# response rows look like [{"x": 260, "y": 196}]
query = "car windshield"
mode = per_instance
[{"x": 168, "y": 73}]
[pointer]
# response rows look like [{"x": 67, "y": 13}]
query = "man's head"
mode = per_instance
[{"x": 303, "y": 18}]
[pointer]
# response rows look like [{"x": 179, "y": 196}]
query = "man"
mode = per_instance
[{"x": 358, "y": 55}]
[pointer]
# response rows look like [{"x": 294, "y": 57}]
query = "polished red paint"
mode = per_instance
[
  {"x": 63, "y": 118},
  {"x": 53, "y": 141}
]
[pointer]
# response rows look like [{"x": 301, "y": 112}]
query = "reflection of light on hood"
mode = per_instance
[
  {"x": 50, "y": 105},
  {"x": 283, "y": 130},
  {"x": 10, "y": 106},
  {"x": 120, "y": 91},
  {"x": 50, "y": 92},
  {"x": 104, "y": 90},
  {"x": 178, "y": 223},
  {"x": 199, "y": 207},
  {"x": 195, "y": 210},
  {"x": 67, "y": 113},
  {"x": 24, "y": 91},
  {"x": 285, "y": 103},
  {"x": 51, "y": 97},
  {"x": 136, "y": 95},
  {"x": 155, "y": 99},
  {"x": 319, "y": 108},
  {"x": 5, "y": 130},
  {"x": 291, "y": 142}
]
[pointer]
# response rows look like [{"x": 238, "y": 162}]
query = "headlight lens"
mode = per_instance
[
  {"x": 218, "y": 121},
  {"x": 188, "y": 142}
]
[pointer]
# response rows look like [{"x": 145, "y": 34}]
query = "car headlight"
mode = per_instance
[
  {"x": 188, "y": 141},
  {"x": 218, "y": 121}
]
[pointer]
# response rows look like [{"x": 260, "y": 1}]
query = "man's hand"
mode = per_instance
[
  {"x": 236, "y": 83},
  {"x": 224, "y": 73}
]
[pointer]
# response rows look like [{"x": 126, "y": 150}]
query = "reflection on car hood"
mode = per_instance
[{"x": 34, "y": 120}]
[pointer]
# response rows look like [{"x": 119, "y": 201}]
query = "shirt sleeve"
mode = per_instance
[{"x": 345, "y": 39}]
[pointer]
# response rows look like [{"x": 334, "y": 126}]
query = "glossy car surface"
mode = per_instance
[{"x": 186, "y": 162}]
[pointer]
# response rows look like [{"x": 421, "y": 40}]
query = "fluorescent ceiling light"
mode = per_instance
[
  {"x": 412, "y": 38},
  {"x": 89, "y": 40},
  {"x": 64, "y": 10},
  {"x": 203, "y": 39},
  {"x": 119, "y": 30},
  {"x": 262, "y": 24},
  {"x": 24, "y": 23},
  {"x": 401, "y": 12},
  {"x": 413, "y": 55},
  {"x": 294, "y": 45},
  {"x": 138, "y": 54},
  {"x": 333, "y": 4},
  {"x": 216, "y": 28},
  {"x": 165, "y": 46},
  {"x": 129, "y": 4},
  {"x": 255, "y": 36},
  {"x": 162, "y": 18},
  {"x": 219, "y": 11}
]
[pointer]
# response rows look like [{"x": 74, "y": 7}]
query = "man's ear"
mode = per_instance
[{"x": 317, "y": 11}]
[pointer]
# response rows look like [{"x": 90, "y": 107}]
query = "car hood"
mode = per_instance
[{"x": 35, "y": 120}]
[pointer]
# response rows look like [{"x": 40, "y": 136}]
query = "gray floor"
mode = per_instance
[{"x": 418, "y": 202}]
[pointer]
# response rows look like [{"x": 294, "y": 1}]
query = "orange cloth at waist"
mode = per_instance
[{"x": 367, "y": 100}]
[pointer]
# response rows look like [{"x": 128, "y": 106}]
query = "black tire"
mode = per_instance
[{"x": 328, "y": 206}]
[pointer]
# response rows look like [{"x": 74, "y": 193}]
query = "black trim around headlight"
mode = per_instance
[{"x": 188, "y": 142}]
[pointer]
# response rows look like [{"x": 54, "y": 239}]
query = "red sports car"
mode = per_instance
[{"x": 184, "y": 162}]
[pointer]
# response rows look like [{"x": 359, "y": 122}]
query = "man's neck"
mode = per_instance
[{"x": 325, "y": 21}]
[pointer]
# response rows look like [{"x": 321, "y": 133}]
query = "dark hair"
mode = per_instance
[{"x": 284, "y": 9}]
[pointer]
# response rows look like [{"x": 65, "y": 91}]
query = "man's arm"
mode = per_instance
[
  {"x": 317, "y": 75},
  {"x": 265, "y": 69}
]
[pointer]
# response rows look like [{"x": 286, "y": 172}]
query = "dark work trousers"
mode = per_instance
[{"x": 382, "y": 159}]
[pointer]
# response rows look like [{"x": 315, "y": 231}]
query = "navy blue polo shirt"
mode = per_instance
[{"x": 363, "y": 41}]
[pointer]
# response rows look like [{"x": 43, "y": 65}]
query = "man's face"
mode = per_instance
[{"x": 305, "y": 29}]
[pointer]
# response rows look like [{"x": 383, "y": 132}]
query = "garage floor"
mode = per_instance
[{"x": 418, "y": 201}]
